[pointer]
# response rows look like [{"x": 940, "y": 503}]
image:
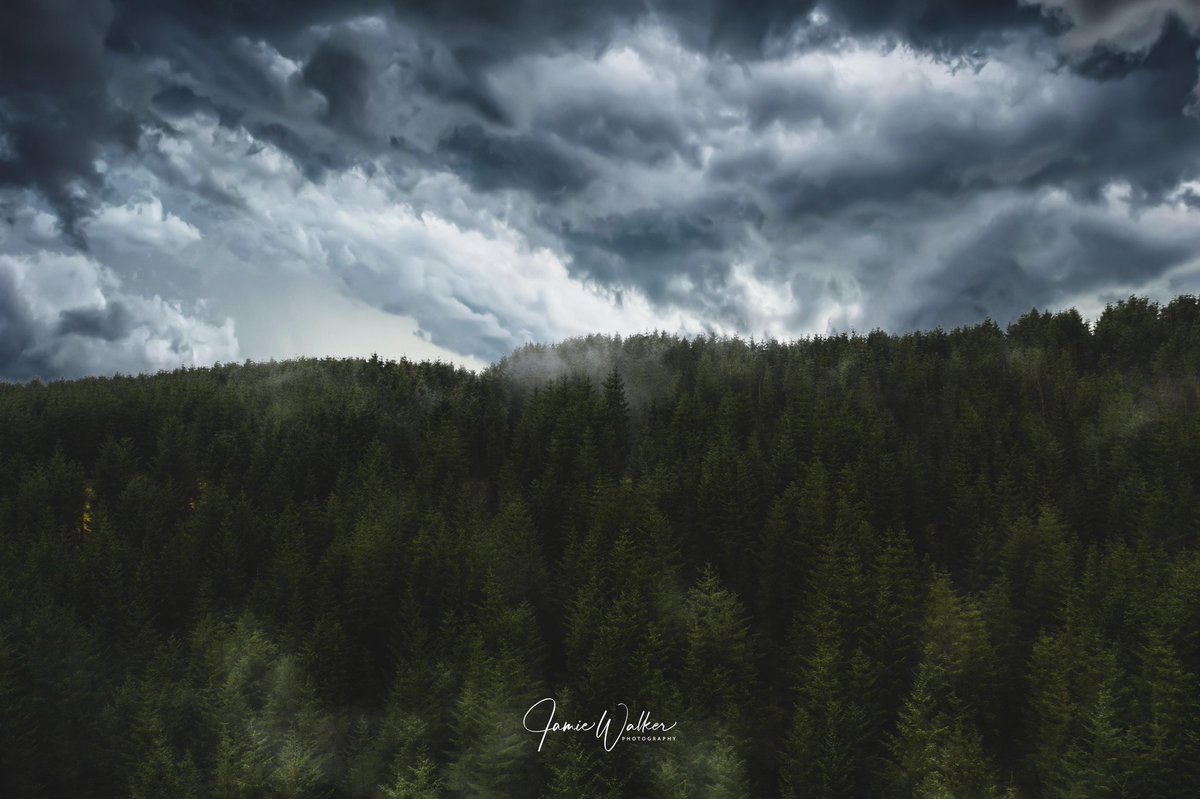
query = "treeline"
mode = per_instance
[{"x": 946, "y": 564}]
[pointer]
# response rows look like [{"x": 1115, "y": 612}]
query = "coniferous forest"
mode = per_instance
[{"x": 944, "y": 564}]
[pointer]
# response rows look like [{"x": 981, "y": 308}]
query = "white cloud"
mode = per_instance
[
  {"x": 140, "y": 223},
  {"x": 463, "y": 273},
  {"x": 66, "y": 315}
]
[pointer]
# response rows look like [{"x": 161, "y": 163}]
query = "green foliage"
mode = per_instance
[{"x": 946, "y": 564}]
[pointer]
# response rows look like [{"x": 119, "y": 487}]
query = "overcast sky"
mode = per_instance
[{"x": 183, "y": 182}]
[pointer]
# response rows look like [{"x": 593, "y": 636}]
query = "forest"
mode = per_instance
[{"x": 942, "y": 564}]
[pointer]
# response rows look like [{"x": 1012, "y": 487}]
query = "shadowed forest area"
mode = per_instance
[{"x": 945, "y": 564}]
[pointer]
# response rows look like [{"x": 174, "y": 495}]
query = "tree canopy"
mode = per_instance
[{"x": 950, "y": 563}]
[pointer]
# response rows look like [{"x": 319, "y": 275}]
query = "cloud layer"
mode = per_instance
[
  {"x": 61, "y": 315},
  {"x": 456, "y": 179}
]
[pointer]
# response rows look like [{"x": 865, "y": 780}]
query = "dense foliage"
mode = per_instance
[{"x": 959, "y": 564}]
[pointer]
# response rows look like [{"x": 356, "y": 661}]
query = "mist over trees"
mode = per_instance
[{"x": 957, "y": 563}]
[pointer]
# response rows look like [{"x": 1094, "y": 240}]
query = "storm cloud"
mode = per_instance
[{"x": 471, "y": 175}]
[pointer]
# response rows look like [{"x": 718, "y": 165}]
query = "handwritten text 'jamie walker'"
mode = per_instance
[{"x": 603, "y": 728}]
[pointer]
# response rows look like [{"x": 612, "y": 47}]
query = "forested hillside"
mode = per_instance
[{"x": 952, "y": 564}]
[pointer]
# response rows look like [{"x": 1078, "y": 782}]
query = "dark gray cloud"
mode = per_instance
[
  {"x": 652, "y": 247},
  {"x": 757, "y": 165},
  {"x": 1120, "y": 24},
  {"x": 742, "y": 28},
  {"x": 1025, "y": 258},
  {"x": 340, "y": 75},
  {"x": 464, "y": 40},
  {"x": 55, "y": 111},
  {"x": 177, "y": 101},
  {"x": 110, "y": 323},
  {"x": 56, "y": 56},
  {"x": 638, "y": 138},
  {"x": 1129, "y": 129},
  {"x": 312, "y": 161},
  {"x": 501, "y": 161}
]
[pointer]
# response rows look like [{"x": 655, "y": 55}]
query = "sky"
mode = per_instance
[{"x": 184, "y": 182}]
